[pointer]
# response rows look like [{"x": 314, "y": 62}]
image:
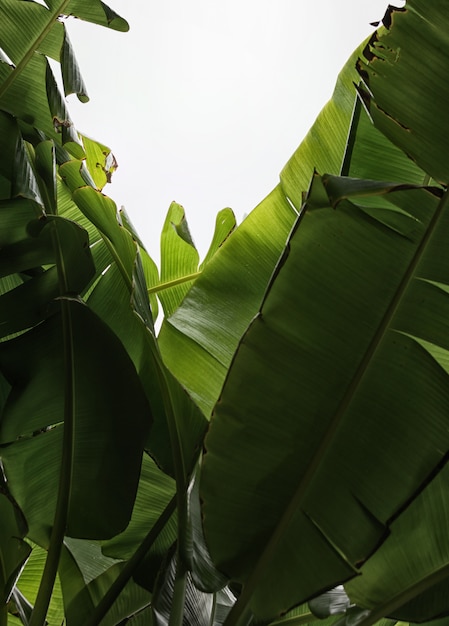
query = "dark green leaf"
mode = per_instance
[
  {"x": 154, "y": 493},
  {"x": 408, "y": 578},
  {"x": 204, "y": 574},
  {"x": 409, "y": 102},
  {"x": 326, "y": 374},
  {"x": 13, "y": 550},
  {"x": 27, "y": 304},
  {"x": 71, "y": 75},
  {"x": 111, "y": 423}
]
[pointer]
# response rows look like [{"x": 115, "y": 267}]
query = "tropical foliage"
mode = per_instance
[{"x": 277, "y": 454}]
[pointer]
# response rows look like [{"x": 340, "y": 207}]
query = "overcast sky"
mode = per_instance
[{"x": 204, "y": 101}]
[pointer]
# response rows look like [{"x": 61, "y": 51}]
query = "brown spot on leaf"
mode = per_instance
[
  {"x": 388, "y": 17},
  {"x": 368, "y": 49}
]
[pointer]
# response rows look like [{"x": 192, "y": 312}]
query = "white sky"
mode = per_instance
[{"x": 204, "y": 101}]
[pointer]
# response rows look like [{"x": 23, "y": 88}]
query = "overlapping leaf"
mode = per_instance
[
  {"x": 111, "y": 422},
  {"x": 409, "y": 103},
  {"x": 28, "y": 585},
  {"x": 116, "y": 298},
  {"x": 305, "y": 402},
  {"x": 27, "y": 87},
  {"x": 86, "y": 576},
  {"x": 200, "y": 338},
  {"x": 13, "y": 550},
  {"x": 408, "y": 578}
]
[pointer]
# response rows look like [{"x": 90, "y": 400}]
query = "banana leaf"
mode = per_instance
[
  {"x": 303, "y": 399},
  {"x": 408, "y": 577},
  {"x": 13, "y": 550},
  {"x": 295, "y": 417},
  {"x": 199, "y": 339},
  {"x": 28, "y": 89},
  {"x": 28, "y": 585},
  {"x": 179, "y": 257},
  {"x": 111, "y": 422},
  {"x": 86, "y": 575}
]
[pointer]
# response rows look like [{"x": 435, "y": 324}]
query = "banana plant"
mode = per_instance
[{"x": 277, "y": 453}]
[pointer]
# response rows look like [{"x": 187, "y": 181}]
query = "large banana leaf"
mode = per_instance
[
  {"x": 304, "y": 403},
  {"x": 200, "y": 338},
  {"x": 334, "y": 410},
  {"x": 111, "y": 421}
]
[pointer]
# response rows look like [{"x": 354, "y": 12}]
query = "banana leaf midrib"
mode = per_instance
[{"x": 297, "y": 499}]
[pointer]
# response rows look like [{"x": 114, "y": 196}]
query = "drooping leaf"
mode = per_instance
[
  {"x": 91, "y": 11},
  {"x": 71, "y": 75},
  {"x": 111, "y": 299},
  {"x": 46, "y": 168},
  {"x": 62, "y": 123},
  {"x": 204, "y": 574},
  {"x": 27, "y": 304},
  {"x": 102, "y": 212},
  {"x": 154, "y": 493},
  {"x": 112, "y": 418},
  {"x": 24, "y": 183},
  {"x": 121, "y": 294}
]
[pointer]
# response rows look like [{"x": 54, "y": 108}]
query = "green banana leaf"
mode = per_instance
[
  {"x": 365, "y": 279},
  {"x": 347, "y": 277},
  {"x": 154, "y": 494},
  {"x": 13, "y": 550},
  {"x": 86, "y": 575},
  {"x": 199, "y": 340},
  {"x": 111, "y": 422},
  {"x": 116, "y": 299},
  {"x": 302, "y": 399},
  {"x": 179, "y": 257},
  {"x": 28, "y": 585},
  {"x": 27, "y": 87},
  {"x": 199, "y": 607},
  {"x": 408, "y": 577},
  {"x": 409, "y": 102}
]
